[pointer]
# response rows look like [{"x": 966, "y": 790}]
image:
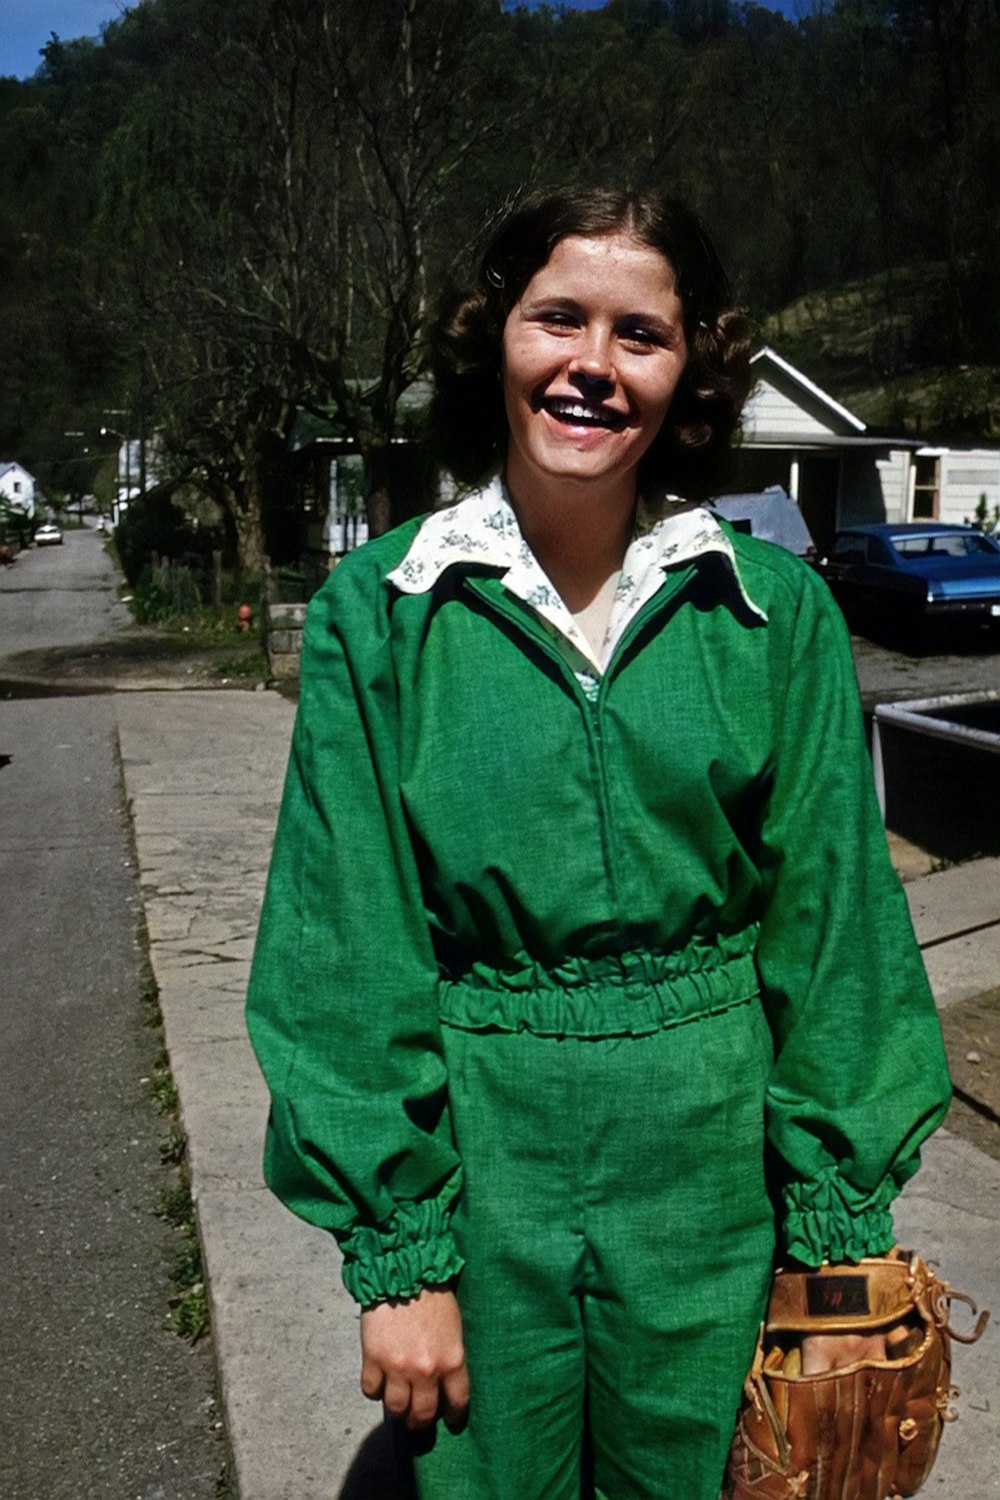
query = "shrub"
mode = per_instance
[{"x": 153, "y": 524}]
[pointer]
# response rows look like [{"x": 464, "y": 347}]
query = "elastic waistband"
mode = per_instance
[{"x": 622, "y": 994}]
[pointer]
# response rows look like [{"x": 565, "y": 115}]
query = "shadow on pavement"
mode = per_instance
[
  {"x": 140, "y": 655},
  {"x": 382, "y": 1469}
]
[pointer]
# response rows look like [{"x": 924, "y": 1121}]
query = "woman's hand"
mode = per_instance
[
  {"x": 413, "y": 1359},
  {"x": 832, "y": 1351}
]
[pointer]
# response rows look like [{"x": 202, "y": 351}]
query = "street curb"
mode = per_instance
[{"x": 39, "y": 687}]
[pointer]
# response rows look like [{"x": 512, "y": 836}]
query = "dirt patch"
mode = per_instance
[
  {"x": 972, "y": 1037},
  {"x": 141, "y": 657},
  {"x": 886, "y": 675}
]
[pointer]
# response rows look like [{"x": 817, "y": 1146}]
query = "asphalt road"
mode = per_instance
[
  {"x": 63, "y": 629},
  {"x": 100, "y": 1401},
  {"x": 60, "y": 596}
]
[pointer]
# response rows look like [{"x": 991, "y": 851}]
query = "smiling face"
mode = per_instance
[{"x": 592, "y": 354}]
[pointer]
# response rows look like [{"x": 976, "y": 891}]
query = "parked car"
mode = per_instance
[
  {"x": 48, "y": 535},
  {"x": 904, "y": 577}
]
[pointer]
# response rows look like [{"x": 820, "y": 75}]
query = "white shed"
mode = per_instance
[
  {"x": 17, "y": 489},
  {"x": 797, "y": 435},
  {"x": 838, "y": 471}
]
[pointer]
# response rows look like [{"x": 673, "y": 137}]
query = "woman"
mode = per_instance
[{"x": 583, "y": 981}]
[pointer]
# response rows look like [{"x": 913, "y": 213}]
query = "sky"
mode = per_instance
[{"x": 26, "y": 25}]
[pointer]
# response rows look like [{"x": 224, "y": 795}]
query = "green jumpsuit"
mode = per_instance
[{"x": 587, "y": 988}]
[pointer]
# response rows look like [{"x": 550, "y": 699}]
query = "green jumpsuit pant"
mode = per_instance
[{"x": 592, "y": 1166}]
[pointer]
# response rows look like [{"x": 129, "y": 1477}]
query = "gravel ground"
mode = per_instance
[{"x": 886, "y": 675}]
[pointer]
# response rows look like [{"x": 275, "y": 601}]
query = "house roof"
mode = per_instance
[
  {"x": 311, "y": 429},
  {"x": 787, "y": 410},
  {"x": 11, "y": 465},
  {"x": 809, "y": 388}
]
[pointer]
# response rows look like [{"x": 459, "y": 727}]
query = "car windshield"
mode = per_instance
[{"x": 943, "y": 544}]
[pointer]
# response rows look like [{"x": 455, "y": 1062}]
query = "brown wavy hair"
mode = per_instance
[{"x": 469, "y": 419}]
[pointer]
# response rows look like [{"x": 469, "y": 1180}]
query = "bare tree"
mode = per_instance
[{"x": 287, "y": 214}]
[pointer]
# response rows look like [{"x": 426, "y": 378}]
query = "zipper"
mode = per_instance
[
  {"x": 529, "y": 626},
  {"x": 589, "y": 713},
  {"x": 591, "y": 708},
  {"x": 671, "y": 587}
]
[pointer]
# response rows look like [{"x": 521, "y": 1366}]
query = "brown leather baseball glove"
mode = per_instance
[{"x": 871, "y": 1430}]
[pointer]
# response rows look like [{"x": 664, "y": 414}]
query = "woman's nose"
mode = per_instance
[
  {"x": 592, "y": 359},
  {"x": 592, "y": 386},
  {"x": 592, "y": 367}
]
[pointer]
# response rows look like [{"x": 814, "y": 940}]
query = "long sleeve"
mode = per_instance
[
  {"x": 342, "y": 1006},
  {"x": 860, "y": 1077}
]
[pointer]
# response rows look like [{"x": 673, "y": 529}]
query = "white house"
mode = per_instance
[
  {"x": 838, "y": 471},
  {"x": 948, "y": 483},
  {"x": 140, "y": 467},
  {"x": 17, "y": 489}
]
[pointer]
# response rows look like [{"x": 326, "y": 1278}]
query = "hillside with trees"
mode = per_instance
[{"x": 220, "y": 219}]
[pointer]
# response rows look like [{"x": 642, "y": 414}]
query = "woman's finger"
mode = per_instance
[
  {"x": 372, "y": 1379},
  {"x": 396, "y": 1395},
  {"x": 822, "y": 1352},
  {"x": 455, "y": 1398},
  {"x": 424, "y": 1400}
]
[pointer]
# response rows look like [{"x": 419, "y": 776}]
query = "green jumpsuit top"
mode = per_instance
[{"x": 483, "y": 827}]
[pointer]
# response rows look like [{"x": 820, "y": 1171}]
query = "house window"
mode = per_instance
[
  {"x": 926, "y": 486},
  {"x": 17, "y": 486}
]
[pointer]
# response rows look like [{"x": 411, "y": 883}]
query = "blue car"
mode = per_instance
[{"x": 903, "y": 577}]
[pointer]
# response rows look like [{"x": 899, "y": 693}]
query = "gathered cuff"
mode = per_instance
[
  {"x": 828, "y": 1219},
  {"x": 416, "y": 1250}
]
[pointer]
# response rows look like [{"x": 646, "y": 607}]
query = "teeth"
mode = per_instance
[{"x": 582, "y": 412}]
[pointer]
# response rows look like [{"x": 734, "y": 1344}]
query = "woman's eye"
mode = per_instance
[
  {"x": 636, "y": 333},
  {"x": 555, "y": 318}
]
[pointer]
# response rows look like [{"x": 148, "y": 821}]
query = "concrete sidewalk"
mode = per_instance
[{"x": 203, "y": 775}]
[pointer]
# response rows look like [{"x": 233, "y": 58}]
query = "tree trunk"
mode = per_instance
[
  {"x": 400, "y": 484},
  {"x": 245, "y": 511},
  {"x": 378, "y": 511},
  {"x": 260, "y": 447},
  {"x": 378, "y": 502}
]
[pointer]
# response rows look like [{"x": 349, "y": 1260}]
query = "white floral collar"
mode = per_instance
[{"x": 482, "y": 529}]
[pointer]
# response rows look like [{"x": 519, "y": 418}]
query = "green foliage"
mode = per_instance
[
  {"x": 164, "y": 1091},
  {"x": 186, "y": 1269},
  {"x": 987, "y": 520},
  {"x": 886, "y": 345},
  {"x": 149, "y": 990},
  {"x": 191, "y": 1315},
  {"x": 251, "y": 667},
  {"x": 155, "y": 524},
  {"x": 223, "y": 213},
  {"x": 173, "y": 1148},
  {"x": 189, "y": 1310},
  {"x": 179, "y": 594},
  {"x": 166, "y": 593},
  {"x": 174, "y": 1206}
]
